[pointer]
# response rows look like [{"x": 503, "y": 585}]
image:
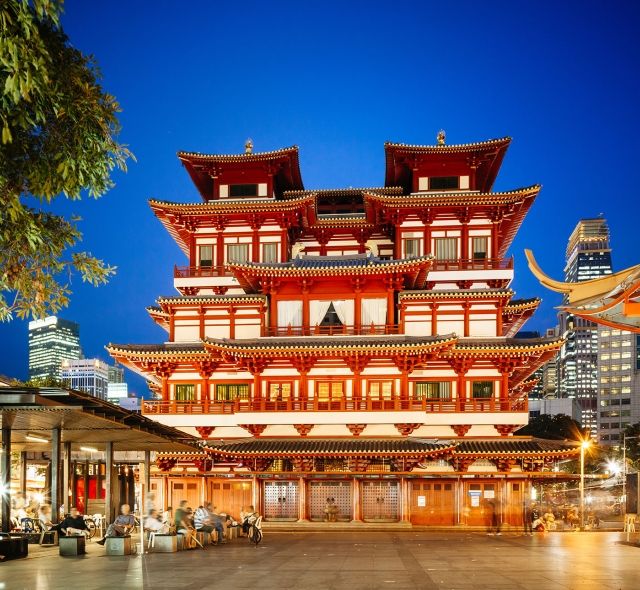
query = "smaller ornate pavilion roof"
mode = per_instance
[
  {"x": 402, "y": 157},
  {"x": 328, "y": 345},
  {"x": 415, "y": 270},
  {"x": 329, "y": 447}
]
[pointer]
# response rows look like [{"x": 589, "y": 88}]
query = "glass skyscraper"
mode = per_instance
[
  {"x": 588, "y": 256},
  {"x": 51, "y": 341}
]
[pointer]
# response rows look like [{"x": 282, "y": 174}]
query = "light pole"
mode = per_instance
[
  {"x": 625, "y": 438},
  {"x": 583, "y": 447}
]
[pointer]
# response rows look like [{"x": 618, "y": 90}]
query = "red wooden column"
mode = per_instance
[
  {"x": 172, "y": 325},
  {"x": 461, "y": 367},
  {"x": 505, "y": 366},
  {"x": 302, "y": 500},
  {"x": 397, "y": 242},
  {"x": 467, "y": 305},
  {"x": 232, "y": 322},
  {"x": 305, "y": 286},
  {"x": 255, "y": 245},
  {"x": 499, "y": 326},
  {"x": 464, "y": 236},
  {"x": 284, "y": 245},
  {"x": 356, "y": 502},
  {"x": 220, "y": 243},
  {"x": 357, "y": 283},
  {"x": 434, "y": 319}
]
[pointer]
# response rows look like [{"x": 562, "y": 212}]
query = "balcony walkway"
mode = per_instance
[{"x": 341, "y": 405}]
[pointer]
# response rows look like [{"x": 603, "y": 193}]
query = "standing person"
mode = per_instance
[
  {"x": 493, "y": 518},
  {"x": 182, "y": 518},
  {"x": 124, "y": 523},
  {"x": 74, "y": 524},
  {"x": 527, "y": 518}
]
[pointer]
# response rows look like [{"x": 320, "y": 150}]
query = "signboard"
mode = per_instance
[
  {"x": 475, "y": 501},
  {"x": 422, "y": 501},
  {"x": 489, "y": 494}
]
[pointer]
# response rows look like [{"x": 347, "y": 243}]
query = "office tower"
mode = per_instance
[
  {"x": 51, "y": 341},
  {"x": 588, "y": 256},
  {"x": 88, "y": 375}
]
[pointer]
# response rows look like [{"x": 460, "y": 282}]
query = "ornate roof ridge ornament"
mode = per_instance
[
  {"x": 248, "y": 146},
  {"x": 441, "y": 137}
]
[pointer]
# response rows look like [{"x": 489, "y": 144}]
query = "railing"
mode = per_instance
[
  {"x": 340, "y": 330},
  {"x": 334, "y": 405},
  {"x": 187, "y": 272},
  {"x": 473, "y": 264}
]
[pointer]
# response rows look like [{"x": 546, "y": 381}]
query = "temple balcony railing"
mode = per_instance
[
  {"x": 189, "y": 272},
  {"x": 333, "y": 405},
  {"x": 333, "y": 330},
  {"x": 473, "y": 264}
]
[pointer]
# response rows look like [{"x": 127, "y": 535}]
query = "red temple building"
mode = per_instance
[{"x": 351, "y": 348}]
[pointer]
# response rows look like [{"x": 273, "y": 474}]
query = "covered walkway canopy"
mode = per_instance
[{"x": 56, "y": 419}]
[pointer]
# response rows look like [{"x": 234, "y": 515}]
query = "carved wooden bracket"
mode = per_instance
[
  {"x": 254, "y": 429},
  {"x": 303, "y": 429},
  {"x": 461, "y": 429},
  {"x": 358, "y": 464},
  {"x": 205, "y": 431},
  {"x": 356, "y": 429},
  {"x": 406, "y": 429},
  {"x": 506, "y": 429},
  {"x": 203, "y": 465},
  {"x": 304, "y": 464},
  {"x": 166, "y": 463}
]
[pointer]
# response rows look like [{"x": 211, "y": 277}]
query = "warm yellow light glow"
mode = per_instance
[
  {"x": 33, "y": 438},
  {"x": 89, "y": 449},
  {"x": 586, "y": 444}
]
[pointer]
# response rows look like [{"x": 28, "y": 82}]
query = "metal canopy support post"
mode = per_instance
[
  {"x": 66, "y": 476},
  {"x": 23, "y": 473},
  {"x": 147, "y": 474},
  {"x": 55, "y": 473},
  {"x": 108, "y": 488},
  {"x": 5, "y": 472}
]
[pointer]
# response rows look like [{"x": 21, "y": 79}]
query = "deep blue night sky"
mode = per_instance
[{"x": 338, "y": 79}]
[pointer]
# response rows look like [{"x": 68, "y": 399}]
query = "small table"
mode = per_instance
[
  {"x": 119, "y": 545},
  {"x": 72, "y": 545},
  {"x": 165, "y": 543}
]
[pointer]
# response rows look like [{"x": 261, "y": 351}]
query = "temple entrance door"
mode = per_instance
[
  {"x": 229, "y": 497},
  {"x": 476, "y": 498},
  {"x": 514, "y": 503},
  {"x": 330, "y": 501},
  {"x": 432, "y": 503},
  {"x": 281, "y": 500},
  {"x": 184, "y": 489},
  {"x": 380, "y": 501}
]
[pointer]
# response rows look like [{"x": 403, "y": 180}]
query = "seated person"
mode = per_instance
[
  {"x": 184, "y": 524},
  {"x": 155, "y": 525},
  {"x": 124, "y": 523},
  {"x": 248, "y": 517},
  {"x": 73, "y": 524},
  {"x": 44, "y": 517},
  {"x": 167, "y": 516},
  {"x": 218, "y": 523},
  {"x": 203, "y": 519}
]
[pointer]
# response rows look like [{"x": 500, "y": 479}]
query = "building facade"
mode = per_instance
[
  {"x": 588, "y": 257},
  {"x": 51, "y": 341},
  {"x": 348, "y": 354},
  {"x": 88, "y": 375},
  {"x": 619, "y": 383}
]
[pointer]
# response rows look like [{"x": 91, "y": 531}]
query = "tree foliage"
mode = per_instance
[
  {"x": 59, "y": 133},
  {"x": 632, "y": 436},
  {"x": 554, "y": 427}
]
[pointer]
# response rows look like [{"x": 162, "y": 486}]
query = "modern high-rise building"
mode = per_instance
[
  {"x": 116, "y": 374},
  {"x": 51, "y": 341},
  {"x": 619, "y": 383},
  {"x": 588, "y": 256},
  {"x": 88, "y": 375}
]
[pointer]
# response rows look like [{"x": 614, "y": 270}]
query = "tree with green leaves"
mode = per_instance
[
  {"x": 554, "y": 427},
  {"x": 59, "y": 133},
  {"x": 632, "y": 439}
]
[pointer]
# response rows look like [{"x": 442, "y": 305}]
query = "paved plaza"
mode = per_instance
[{"x": 353, "y": 561}]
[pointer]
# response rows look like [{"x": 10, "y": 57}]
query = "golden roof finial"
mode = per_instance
[
  {"x": 441, "y": 137},
  {"x": 248, "y": 146}
]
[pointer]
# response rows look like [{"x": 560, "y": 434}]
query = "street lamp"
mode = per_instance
[
  {"x": 583, "y": 447},
  {"x": 625, "y": 438}
]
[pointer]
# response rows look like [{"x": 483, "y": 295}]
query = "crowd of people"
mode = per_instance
[{"x": 186, "y": 521}]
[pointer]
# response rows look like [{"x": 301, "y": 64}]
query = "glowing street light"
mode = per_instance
[{"x": 583, "y": 447}]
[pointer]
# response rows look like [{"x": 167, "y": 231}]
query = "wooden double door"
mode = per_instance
[
  {"x": 381, "y": 501},
  {"x": 433, "y": 502},
  {"x": 281, "y": 500},
  {"x": 228, "y": 496}
]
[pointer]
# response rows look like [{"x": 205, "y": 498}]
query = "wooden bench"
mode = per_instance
[{"x": 72, "y": 545}]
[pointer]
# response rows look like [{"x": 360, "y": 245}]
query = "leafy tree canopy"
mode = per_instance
[
  {"x": 59, "y": 133},
  {"x": 554, "y": 427}
]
